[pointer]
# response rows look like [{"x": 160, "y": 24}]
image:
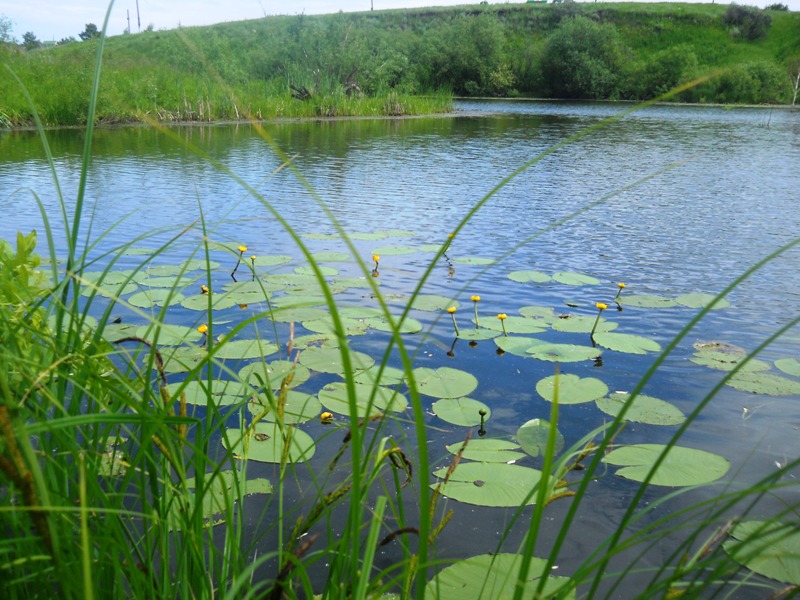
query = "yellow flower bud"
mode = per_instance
[
  {"x": 376, "y": 257},
  {"x": 502, "y": 316},
  {"x": 326, "y": 416},
  {"x": 621, "y": 285},
  {"x": 203, "y": 328},
  {"x": 242, "y": 248},
  {"x": 253, "y": 257},
  {"x": 475, "y": 298},
  {"x": 451, "y": 310},
  {"x": 601, "y": 306}
]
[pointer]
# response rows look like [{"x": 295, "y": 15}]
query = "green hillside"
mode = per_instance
[{"x": 412, "y": 61}]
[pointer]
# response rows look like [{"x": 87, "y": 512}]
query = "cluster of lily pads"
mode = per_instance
[{"x": 253, "y": 364}]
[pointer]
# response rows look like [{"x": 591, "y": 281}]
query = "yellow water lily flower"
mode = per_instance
[
  {"x": 253, "y": 257},
  {"x": 601, "y": 306},
  {"x": 621, "y": 285},
  {"x": 502, "y": 316},
  {"x": 242, "y": 248},
  {"x": 376, "y": 257},
  {"x": 204, "y": 289},
  {"x": 451, "y": 310},
  {"x": 326, "y": 416},
  {"x": 203, "y": 328},
  {"x": 475, "y": 298}
]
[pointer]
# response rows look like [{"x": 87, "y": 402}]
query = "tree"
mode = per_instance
[
  {"x": 90, "y": 32},
  {"x": 748, "y": 22},
  {"x": 66, "y": 40},
  {"x": 6, "y": 27},
  {"x": 30, "y": 41}
]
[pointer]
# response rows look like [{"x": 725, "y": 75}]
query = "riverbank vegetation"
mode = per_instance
[{"x": 411, "y": 61}]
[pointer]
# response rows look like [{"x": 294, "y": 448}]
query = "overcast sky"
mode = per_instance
[{"x": 57, "y": 19}]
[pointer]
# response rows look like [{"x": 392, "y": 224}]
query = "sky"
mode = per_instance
[{"x": 58, "y": 19}]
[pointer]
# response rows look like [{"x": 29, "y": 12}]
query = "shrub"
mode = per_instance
[{"x": 748, "y": 22}]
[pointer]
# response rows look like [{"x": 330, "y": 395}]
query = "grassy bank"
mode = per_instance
[{"x": 399, "y": 62}]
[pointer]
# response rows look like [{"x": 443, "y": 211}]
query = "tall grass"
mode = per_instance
[{"x": 110, "y": 480}]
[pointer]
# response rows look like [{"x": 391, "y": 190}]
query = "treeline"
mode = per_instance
[{"x": 331, "y": 64}]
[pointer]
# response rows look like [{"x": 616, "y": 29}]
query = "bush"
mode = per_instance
[{"x": 748, "y": 22}]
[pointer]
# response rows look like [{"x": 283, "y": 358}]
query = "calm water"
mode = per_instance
[{"x": 694, "y": 196}]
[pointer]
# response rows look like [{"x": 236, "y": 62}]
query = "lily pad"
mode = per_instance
[
  {"x": 698, "y": 300},
  {"x": 529, "y": 277},
  {"x": 297, "y": 313},
  {"x": 334, "y": 397},
  {"x": 626, "y": 342},
  {"x": 542, "y": 313},
  {"x": 474, "y": 260},
  {"x": 330, "y": 257},
  {"x": 196, "y": 392},
  {"x": 218, "y": 302},
  {"x": 156, "y": 297},
  {"x": 389, "y": 377},
  {"x": 168, "y": 335},
  {"x": 572, "y": 389},
  {"x": 329, "y": 360},
  {"x": 488, "y": 450},
  {"x": 564, "y": 352},
  {"x": 325, "y": 326},
  {"x": 646, "y": 301},
  {"x": 183, "y": 358},
  {"x": 433, "y": 302},
  {"x": 681, "y": 467},
  {"x": 643, "y": 409},
  {"x": 394, "y": 250},
  {"x": 168, "y": 282},
  {"x": 493, "y": 577},
  {"x": 243, "y": 349},
  {"x": 380, "y": 323},
  {"x": 272, "y": 374},
  {"x": 790, "y": 366},
  {"x": 519, "y": 346},
  {"x": 764, "y": 383},
  {"x": 569, "y": 278},
  {"x": 321, "y": 237},
  {"x": 268, "y": 260},
  {"x": 582, "y": 324},
  {"x": 514, "y": 325},
  {"x": 489, "y": 484},
  {"x": 298, "y": 407},
  {"x": 444, "y": 382},
  {"x": 269, "y": 443},
  {"x": 771, "y": 549},
  {"x": 461, "y": 411},
  {"x": 467, "y": 333},
  {"x": 723, "y": 359},
  {"x": 532, "y": 437},
  {"x": 325, "y": 271}
]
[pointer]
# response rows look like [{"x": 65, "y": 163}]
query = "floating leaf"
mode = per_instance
[
  {"x": 330, "y": 257},
  {"x": 532, "y": 437},
  {"x": 156, "y": 297},
  {"x": 354, "y": 282},
  {"x": 646, "y": 301},
  {"x": 529, "y": 276},
  {"x": 519, "y": 346},
  {"x": 380, "y": 323},
  {"x": 270, "y": 260},
  {"x": 297, "y": 313},
  {"x": 329, "y": 360},
  {"x": 489, "y": 484},
  {"x": 488, "y": 450},
  {"x": 394, "y": 250},
  {"x": 564, "y": 352},
  {"x": 681, "y": 467},
  {"x": 197, "y": 264},
  {"x": 109, "y": 289},
  {"x": 764, "y": 383},
  {"x": 790, "y": 366},
  {"x": 569, "y": 278},
  {"x": 322, "y": 237},
  {"x": 349, "y": 325},
  {"x": 389, "y": 376},
  {"x": 334, "y": 397},
  {"x": 218, "y": 302},
  {"x": 698, "y": 300},
  {"x": 571, "y": 388},
  {"x": 514, "y": 324},
  {"x": 541, "y": 313},
  {"x": 182, "y": 359},
  {"x": 643, "y": 409},
  {"x": 315, "y": 339},
  {"x": 726, "y": 357},
  {"x": 369, "y": 236},
  {"x": 769, "y": 548},
  {"x": 481, "y": 333},
  {"x": 582, "y": 324},
  {"x": 165, "y": 271},
  {"x": 444, "y": 382},
  {"x": 461, "y": 411},
  {"x": 262, "y": 374},
  {"x": 168, "y": 282},
  {"x": 432, "y": 302},
  {"x": 474, "y": 260},
  {"x": 324, "y": 271},
  {"x": 243, "y": 349},
  {"x": 493, "y": 577},
  {"x": 626, "y": 342},
  {"x": 298, "y": 407},
  {"x": 269, "y": 443},
  {"x": 223, "y": 393},
  {"x": 168, "y": 335}
]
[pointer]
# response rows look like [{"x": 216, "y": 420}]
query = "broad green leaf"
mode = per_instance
[
  {"x": 262, "y": 374},
  {"x": 324, "y": 271},
  {"x": 331, "y": 257},
  {"x": 329, "y": 360},
  {"x": 564, "y": 352},
  {"x": 517, "y": 345},
  {"x": 394, "y": 250},
  {"x": 626, "y": 342},
  {"x": 488, "y": 450},
  {"x": 268, "y": 442},
  {"x": 529, "y": 276},
  {"x": 322, "y": 237},
  {"x": 298, "y": 407},
  {"x": 532, "y": 437},
  {"x": 643, "y": 409},
  {"x": 155, "y": 297},
  {"x": 582, "y": 324},
  {"x": 461, "y": 411},
  {"x": 473, "y": 260},
  {"x": 769, "y": 548},
  {"x": 681, "y": 467},
  {"x": 727, "y": 361},
  {"x": 268, "y": 260},
  {"x": 326, "y": 326},
  {"x": 297, "y": 314},
  {"x": 513, "y": 324},
  {"x": 178, "y": 283},
  {"x": 444, "y": 382},
  {"x": 243, "y": 349},
  {"x": 542, "y": 313},
  {"x": 334, "y": 397},
  {"x": 471, "y": 333},
  {"x": 698, "y": 300},
  {"x": 218, "y": 302},
  {"x": 489, "y": 484},
  {"x": 223, "y": 393},
  {"x": 168, "y": 335},
  {"x": 182, "y": 359},
  {"x": 493, "y": 577},
  {"x": 572, "y": 389},
  {"x": 569, "y": 278},
  {"x": 380, "y": 323},
  {"x": 764, "y": 383},
  {"x": 790, "y": 366},
  {"x": 646, "y": 301},
  {"x": 432, "y": 302},
  {"x": 389, "y": 377}
]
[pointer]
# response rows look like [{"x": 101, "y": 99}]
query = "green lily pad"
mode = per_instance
[
  {"x": 698, "y": 300},
  {"x": 529, "y": 277},
  {"x": 568, "y": 278},
  {"x": 321, "y": 237},
  {"x": 324, "y": 271},
  {"x": 433, "y": 302},
  {"x": 354, "y": 282},
  {"x": 183, "y": 358},
  {"x": 517, "y": 345},
  {"x": 493, "y": 577},
  {"x": 268, "y": 260},
  {"x": 380, "y": 323},
  {"x": 389, "y": 377},
  {"x": 168, "y": 335},
  {"x": 329, "y": 360},
  {"x": 272, "y": 374},
  {"x": 469, "y": 333},
  {"x": 196, "y": 392},
  {"x": 109, "y": 289},
  {"x": 646, "y": 301},
  {"x": 461, "y": 411},
  {"x": 325, "y": 326},
  {"x": 542, "y": 313},
  {"x": 315, "y": 339},
  {"x": 369, "y": 236},
  {"x": 394, "y": 250},
  {"x": 298, "y": 407},
  {"x": 725, "y": 358},
  {"x": 564, "y": 352},
  {"x": 489, "y": 484},
  {"x": 155, "y": 297},
  {"x": 396, "y": 233},
  {"x": 331, "y": 257},
  {"x": 790, "y": 366},
  {"x": 166, "y": 271},
  {"x": 177, "y": 283},
  {"x": 474, "y": 260},
  {"x": 514, "y": 325},
  {"x": 244, "y": 349},
  {"x": 644, "y": 409},
  {"x": 218, "y": 302},
  {"x": 571, "y": 388},
  {"x": 444, "y": 382},
  {"x": 582, "y": 324},
  {"x": 334, "y": 397},
  {"x": 764, "y": 383},
  {"x": 488, "y": 450},
  {"x": 626, "y": 342},
  {"x": 769, "y": 548},
  {"x": 199, "y": 264},
  {"x": 296, "y": 314},
  {"x": 682, "y": 466},
  {"x": 268, "y": 442},
  {"x": 532, "y": 437}
]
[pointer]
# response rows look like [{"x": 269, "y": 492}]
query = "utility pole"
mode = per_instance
[
  {"x": 129, "y": 21},
  {"x": 138, "y": 18}
]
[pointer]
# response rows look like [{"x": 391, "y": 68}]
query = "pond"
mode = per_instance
[{"x": 675, "y": 202}]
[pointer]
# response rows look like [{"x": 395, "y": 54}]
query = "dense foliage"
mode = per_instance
[{"x": 568, "y": 50}]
